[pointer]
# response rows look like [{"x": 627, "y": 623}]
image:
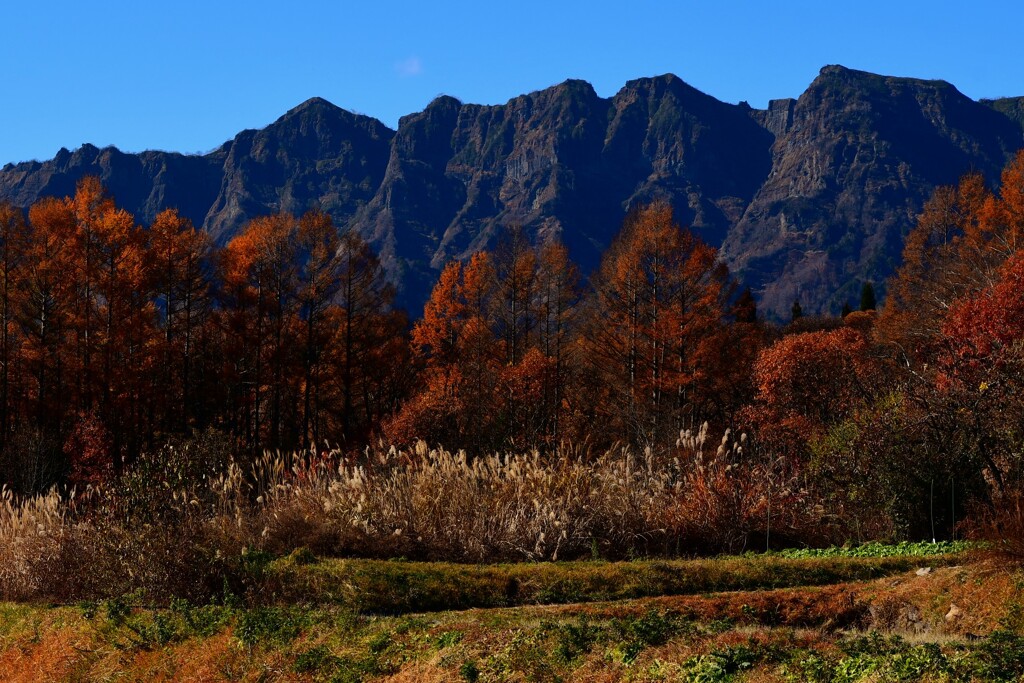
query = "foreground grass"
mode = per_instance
[
  {"x": 398, "y": 587},
  {"x": 758, "y": 618},
  {"x": 850, "y": 631}
]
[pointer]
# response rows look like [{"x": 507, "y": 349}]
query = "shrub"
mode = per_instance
[
  {"x": 88, "y": 450},
  {"x": 1000, "y": 525}
]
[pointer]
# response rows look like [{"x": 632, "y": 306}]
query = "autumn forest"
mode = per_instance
[
  {"x": 122, "y": 342},
  {"x": 118, "y": 338},
  {"x": 122, "y": 336}
]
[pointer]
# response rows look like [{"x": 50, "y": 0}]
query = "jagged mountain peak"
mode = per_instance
[
  {"x": 314, "y": 103},
  {"x": 866, "y": 83},
  {"x": 317, "y": 115},
  {"x": 666, "y": 81},
  {"x": 572, "y": 87},
  {"x": 855, "y": 158},
  {"x": 444, "y": 102}
]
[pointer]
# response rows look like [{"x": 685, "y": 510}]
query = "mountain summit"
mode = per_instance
[{"x": 807, "y": 198}]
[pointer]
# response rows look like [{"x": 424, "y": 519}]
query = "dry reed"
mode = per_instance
[{"x": 191, "y": 534}]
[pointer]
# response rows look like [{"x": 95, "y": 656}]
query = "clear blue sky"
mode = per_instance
[{"x": 186, "y": 76}]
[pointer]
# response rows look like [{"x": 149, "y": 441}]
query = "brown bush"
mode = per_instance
[{"x": 1000, "y": 524}]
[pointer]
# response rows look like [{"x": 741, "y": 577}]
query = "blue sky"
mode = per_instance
[{"x": 186, "y": 76}]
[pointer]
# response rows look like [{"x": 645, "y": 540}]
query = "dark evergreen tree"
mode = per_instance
[
  {"x": 867, "y": 297},
  {"x": 797, "y": 311},
  {"x": 846, "y": 310},
  {"x": 745, "y": 308}
]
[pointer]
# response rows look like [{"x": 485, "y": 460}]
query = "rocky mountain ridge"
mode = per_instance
[{"x": 806, "y": 198}]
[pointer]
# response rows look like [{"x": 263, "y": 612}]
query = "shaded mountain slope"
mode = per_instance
[
  {"x": 850, "y": 172},
  {"x": 807, "y": 198}
]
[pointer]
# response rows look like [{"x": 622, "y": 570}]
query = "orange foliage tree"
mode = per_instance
[
  {"x": 980, "y": 383},
  {"x": 180, "y": 261},
  {"x": 558, "y": 295},
  {"x": 319, "y": 281},
  {"x": 963, "y": 235},
  {"x": 14, "y": 244},
  {"x": 370, "y": 348},
  {"x": 127, "y": 330},
  {"x": 656, "y": 320},
  {"x": 91, "y": 205},
  {"x": 495, "y": 344},
  {"x": 47, "y": 312},
  {"x": 461, "y": 357},
  {"x": 285, "y": 338},
  {"x": 261, "y": 276},
  {"x": 286, "y": 279},
  {"x": 807, "y": 382}
]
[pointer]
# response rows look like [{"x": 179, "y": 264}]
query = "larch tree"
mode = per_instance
[
  {"x": 364, "y": 300},
  {"x": 947, "y": 255},
  {"x": 180, "y": 262},
  {"x": 655, "y": 317},
  {"x": 557, "y": 304},
  {"x": 455, "y": 343},
  {"x": 14, "y": 245},
  {"x": 125, "y": 319},
  {"x": 320, "y": 276},
  {"x": 47, "y": 311},
  {"x": 91, "y": 203},
  {"x": 515, "y": 273},
  {"x": 260, "y": 277},
  {"x": 513, "y": 317}
]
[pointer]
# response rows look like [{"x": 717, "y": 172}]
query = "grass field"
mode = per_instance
[{"x": 839, "y": 617}]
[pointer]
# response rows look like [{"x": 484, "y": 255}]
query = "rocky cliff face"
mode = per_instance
[
  {"x": 562, "y": 162},
  {"x": 807, "y": 198},
  {"x": 144, "y": 183},
  {"x": 316, "y": 155},
  {"x": 849, "y": 175},
  {"x": 1011, "y": 107}
]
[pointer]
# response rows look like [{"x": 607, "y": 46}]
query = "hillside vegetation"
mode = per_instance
[{"x": 910, "y": 626}]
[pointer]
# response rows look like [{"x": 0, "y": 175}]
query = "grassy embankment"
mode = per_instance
[{"x": 840, "y": 617}]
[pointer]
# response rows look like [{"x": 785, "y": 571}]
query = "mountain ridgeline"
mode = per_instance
[{"x": 806, "y": 199}]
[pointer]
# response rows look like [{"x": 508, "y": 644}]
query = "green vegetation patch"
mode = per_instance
[
  {"x": 904, "y": 549},
  {"x": 998, "y": 658}
]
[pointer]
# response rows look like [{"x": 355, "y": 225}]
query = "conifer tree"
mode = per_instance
[
  {"x": 867, "y": 297},
  {"x": 14, "y": 242},
  {"x": 745, "y": 308},
  {"x": 655, "y": 324}
]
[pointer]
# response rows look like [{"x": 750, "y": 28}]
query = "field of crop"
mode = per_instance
[
  {"x": 879, "y": 613},
  {"x": 876, "y": 549}
]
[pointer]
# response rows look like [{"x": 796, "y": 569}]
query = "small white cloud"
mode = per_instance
[{"x": 407, "y": 68}]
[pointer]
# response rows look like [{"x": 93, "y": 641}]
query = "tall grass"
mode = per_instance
[
  {"x": 32, "y": 531},
  {"x": 443, "y": 505},
  {"x": 177, "y": 525}
]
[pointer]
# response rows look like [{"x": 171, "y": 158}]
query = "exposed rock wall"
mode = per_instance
[{"x": 807, "y": 198}]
